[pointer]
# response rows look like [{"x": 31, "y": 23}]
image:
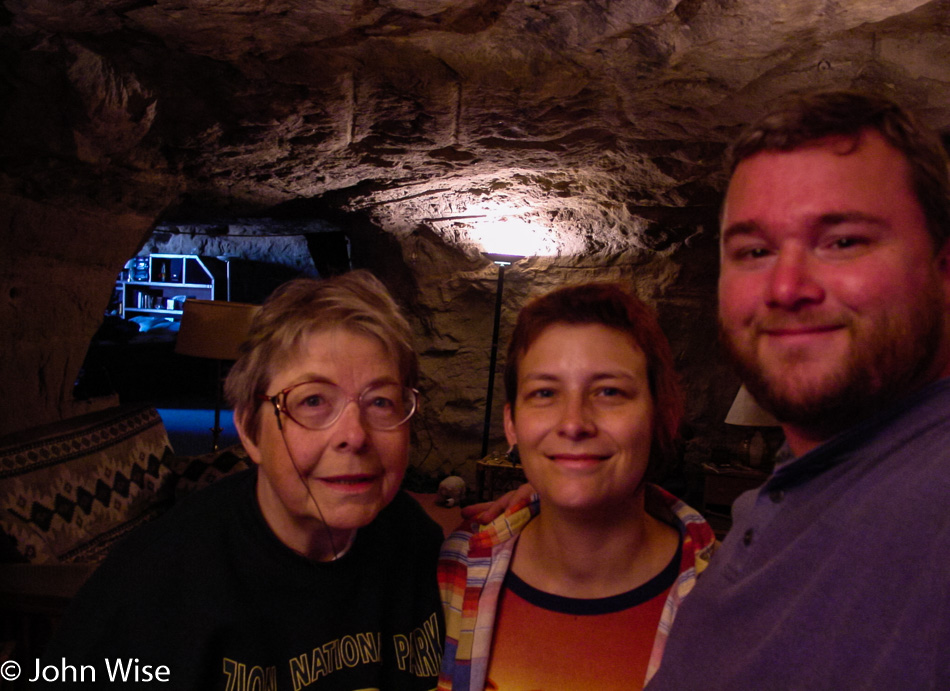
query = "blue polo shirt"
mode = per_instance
[{"x": 836, "y": 573}]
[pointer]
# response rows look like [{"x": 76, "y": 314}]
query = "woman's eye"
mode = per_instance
[
  {"x": 613, "y": 394},
  {"x": 313, "y": 401},
  {"x": 539, "y": 395},
  {"x": 381, "y": 402}
]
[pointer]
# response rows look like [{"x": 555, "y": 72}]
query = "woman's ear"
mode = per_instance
[
  {"x": 246, "y": 441},
  {"x": 510, "y": 433}
]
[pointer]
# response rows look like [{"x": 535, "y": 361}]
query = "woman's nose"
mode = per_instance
[
  {"x": 350, "y": 430},
  {"x": 577, "y": 418}
]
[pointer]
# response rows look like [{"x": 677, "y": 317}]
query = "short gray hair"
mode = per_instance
[{"x": 301, "y": 307}]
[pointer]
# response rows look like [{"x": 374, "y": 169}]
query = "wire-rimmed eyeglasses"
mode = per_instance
[{"x": 316, "y": 405}]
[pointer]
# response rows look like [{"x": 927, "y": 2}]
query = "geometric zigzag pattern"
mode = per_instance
[
  {"x": 84, "y": 440},
  {"x": 81, "y": 483},
  {"x": 67, "y": 493},
  {"x": 42, "y": 515},
  {"x": 196, "y": 472}
]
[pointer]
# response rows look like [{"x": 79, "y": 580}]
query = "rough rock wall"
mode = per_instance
[
  {"x": 55, "y": 284},
  {"x": 80, "y": 189},
  {"x": 601, "y": 124},
  {"x": 450, "y": 297},
  {"x": 249, "y": 241}
]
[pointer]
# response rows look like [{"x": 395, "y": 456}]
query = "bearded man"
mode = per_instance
[{"x": 833, "y": 298}]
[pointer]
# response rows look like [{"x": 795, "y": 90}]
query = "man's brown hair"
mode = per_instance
[{"x": 804, "y": 118}]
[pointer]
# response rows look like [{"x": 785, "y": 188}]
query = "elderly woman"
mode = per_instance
[
  {"x": 312, "y": 570},
  {"x": 577, "y": 590}
]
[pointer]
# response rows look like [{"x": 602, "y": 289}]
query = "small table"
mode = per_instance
[{"x": 496, "y": 475}]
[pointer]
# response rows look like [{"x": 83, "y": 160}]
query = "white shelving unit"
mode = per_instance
[{"x": 158, "y": 284}]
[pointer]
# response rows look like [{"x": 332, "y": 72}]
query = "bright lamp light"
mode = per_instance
[{"x": 511, "y": 235}]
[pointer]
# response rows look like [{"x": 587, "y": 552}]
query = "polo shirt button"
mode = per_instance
[
  {"x": 776, "y": 495},
  {"x": 747, "y": 538}
]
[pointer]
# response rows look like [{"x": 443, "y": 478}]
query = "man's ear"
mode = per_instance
[
  {"x": 510, "y": 433},
  {"x": 249, "y": 444}
]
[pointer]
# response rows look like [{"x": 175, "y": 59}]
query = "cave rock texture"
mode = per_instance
[{"x": 593, "y": 128}]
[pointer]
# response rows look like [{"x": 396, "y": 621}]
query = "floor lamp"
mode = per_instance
[
  {"x": 502, "y": 261},
  {"x": 214, "y": 329}
]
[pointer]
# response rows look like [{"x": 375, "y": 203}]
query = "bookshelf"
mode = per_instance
[{"x": 159, "y": 284}]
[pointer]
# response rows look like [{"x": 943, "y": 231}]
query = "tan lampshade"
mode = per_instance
[
  {"x": 746, "y": 412},
  {"x": 214, "y": 328}
]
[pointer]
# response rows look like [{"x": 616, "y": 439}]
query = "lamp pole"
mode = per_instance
[{"x": 502, "y": 261}]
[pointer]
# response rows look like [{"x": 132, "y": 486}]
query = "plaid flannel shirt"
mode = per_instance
[{"x": 472, "y": 569}]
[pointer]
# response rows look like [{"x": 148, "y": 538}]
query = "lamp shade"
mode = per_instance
[
  {"x": 214, "y": 329},
  {"x": 746, "y": 412}
]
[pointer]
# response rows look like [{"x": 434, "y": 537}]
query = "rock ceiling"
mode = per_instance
[
  {"x": 598, "y": 123},
  {"x": 591, "y": 128}
]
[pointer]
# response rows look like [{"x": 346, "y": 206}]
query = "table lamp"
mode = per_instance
[{"x": 746, "y": 412}]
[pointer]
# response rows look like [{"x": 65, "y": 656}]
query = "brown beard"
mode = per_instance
[{"x": 897, "y": 357}]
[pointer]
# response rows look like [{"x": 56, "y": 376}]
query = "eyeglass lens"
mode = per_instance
[{"x": 317, "y": 405}]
